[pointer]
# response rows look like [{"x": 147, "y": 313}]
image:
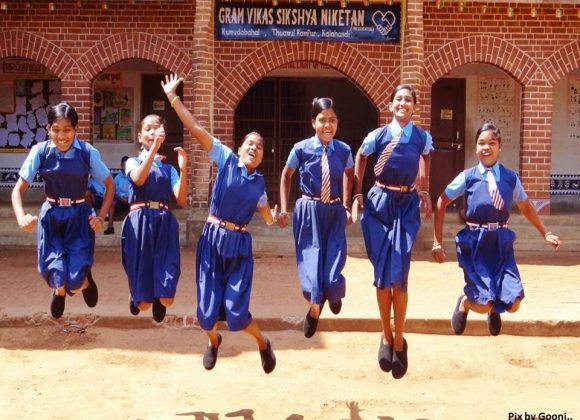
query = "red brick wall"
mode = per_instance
[
  {"x": 78, "y": 43},
  {"x": 537, "y": 52}
]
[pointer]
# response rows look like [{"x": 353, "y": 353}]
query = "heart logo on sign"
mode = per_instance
[{"x": 384, "y": 22}]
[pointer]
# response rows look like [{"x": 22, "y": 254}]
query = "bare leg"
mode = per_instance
[
  {"x": 467, "y": 305},
  {"x": 515, "y": 306},
  {"x": 384, "y": 300},
  {"x": 213, "y": 336},
  {"x": 400, "y": 299},
  {"x": 166, "y": 301},
  {"x": 83, "y": 286},
  {"x": 111, "y": 215},
  {"x": 253, "y": 330},
  {"x": 315, "y": 310},
  {"x": 144, "y": 305}
]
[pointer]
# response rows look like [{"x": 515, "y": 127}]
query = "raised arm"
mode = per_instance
[{"x": 170, "y": 85}]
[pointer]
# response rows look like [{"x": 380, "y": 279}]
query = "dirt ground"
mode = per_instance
[{"x": 68, "y": 370}]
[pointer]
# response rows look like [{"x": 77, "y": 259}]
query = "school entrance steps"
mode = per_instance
[{"x": 271, "y": 240}]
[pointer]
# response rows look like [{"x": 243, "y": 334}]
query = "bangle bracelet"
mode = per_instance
[
  {"x": 424, "y": 192},
  {"x": 357, "y": 196},
  {"x": 175, "y": 98},
  {"x": 283, "y": 214},
  {"x": 547, "y": 234},
  {"x": 436, "y": 246}
]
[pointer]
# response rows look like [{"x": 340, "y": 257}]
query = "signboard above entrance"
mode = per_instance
[{"x": 307, "y": 22}]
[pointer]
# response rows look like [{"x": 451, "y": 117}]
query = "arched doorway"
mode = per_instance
[
  {"x": 123, "y": 94},
  {"x": 460, "y": 103},
  {"x": 278, "y": 107}
]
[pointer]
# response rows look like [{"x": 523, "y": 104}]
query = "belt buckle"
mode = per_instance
[
  {"x": 229, "y": 225},
  {"x": 64, "y": 202},
  {"x": 493, "y": 226},
  {"x": 404, "y": 188},
  {"x": 154, "y": 205}
]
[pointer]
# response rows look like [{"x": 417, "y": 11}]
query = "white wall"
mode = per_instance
[
  {"x": 510, "y": 150},
  {"x": 565, "y": 152}
]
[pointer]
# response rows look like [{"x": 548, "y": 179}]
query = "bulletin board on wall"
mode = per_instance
[
  {"x": 24, "y": 124},
  {"x": 113, "y": 114},
  {"x": 574, "y": 110},
  {"x": 495, "y": 104}
]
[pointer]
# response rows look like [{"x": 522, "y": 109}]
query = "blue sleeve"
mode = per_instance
[
  {"x": 99, "y": 170},
  {"x": 428, "y": 144},
  {"x": 263, "y": 199},
  {"x": 519, "y": 192},
  {"x": 219, "y": 153},
  {"x": 31, "y": 165},
  {"x": 292, "y": 161},
  {"x": 349, "y": 162},
  {"x": 174, "y": 177},
  {"x": 369, "y": 144},
  {"x": 131, "y": 164},
  {"x": 456, "y": 188}
]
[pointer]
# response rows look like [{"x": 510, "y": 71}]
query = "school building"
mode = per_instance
[{"x": 257, "y": 66}]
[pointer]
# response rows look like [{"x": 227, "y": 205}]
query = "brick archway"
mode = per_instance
[
  {"x": 230, "y": 87},
  {"x": 561, "y": 62},
  {"x": 483, "y": 49},
  {"x": 33, "y": 47},
  {"x": 130, "y": 45}
]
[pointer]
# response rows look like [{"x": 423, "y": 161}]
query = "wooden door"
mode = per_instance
[{"x": 448, "y": 131}]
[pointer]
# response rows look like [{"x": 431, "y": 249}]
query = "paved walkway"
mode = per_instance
[{"x": 551, "y": 306}]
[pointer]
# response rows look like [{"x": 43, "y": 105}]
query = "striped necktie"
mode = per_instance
[
  {"x": 325, "y": 187},
  {"x": 494, "y": 193},
  {"x": 386, "y": 154}
]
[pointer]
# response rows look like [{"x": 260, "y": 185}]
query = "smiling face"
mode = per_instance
[
  {"x": 149, "y": 126},
  {"x": 325, "y": 124},
  {"x": 251, "y": 152},
  {"x": 488, "y": 148},
  {"x": 62, "y": 133},
  {"x": 402, "y": 106}
]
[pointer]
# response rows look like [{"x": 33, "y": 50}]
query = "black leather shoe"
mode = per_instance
[
  {"x": 158, "y": 310},
  {"x": 385, "y": 356},
  {"x": 57, "y": 305},
  {"x": 335, "y": 307},
  {"x": 109, "y": 231},
  {"x": 133, "y": 308},
  {"x": 211, "y": 353},
  {"x": 91, "y": 293},
  {"x": 268, "y": 357},
  {"x": 459, "y": 318},
  {"x": 493, "y": 323},
  {"x": 310, "y": 325},
  {"x": 400, "y": 362}
]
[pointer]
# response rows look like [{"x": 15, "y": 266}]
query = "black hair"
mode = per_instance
[
  {"x": 159, "y": 118},
  {"x": 319, "y": 105},
  {"x": 63, "y": 110},
  {"x": 488, "y": 126},
  {"x": 253, "y": 133},
  {"x": 124, "y": 159},
  {"x": 409, "y": 88}
]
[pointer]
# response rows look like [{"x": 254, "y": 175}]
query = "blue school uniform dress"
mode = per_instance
[
  {"x": 485, "y": 246},
  {"x": 66, "y": 242},
  {"x": 225, "y": 263},
  {"x": 319, "y": 234},
  {"x": 391, "y": 220},
  {"x": 150, "y": 234}
]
